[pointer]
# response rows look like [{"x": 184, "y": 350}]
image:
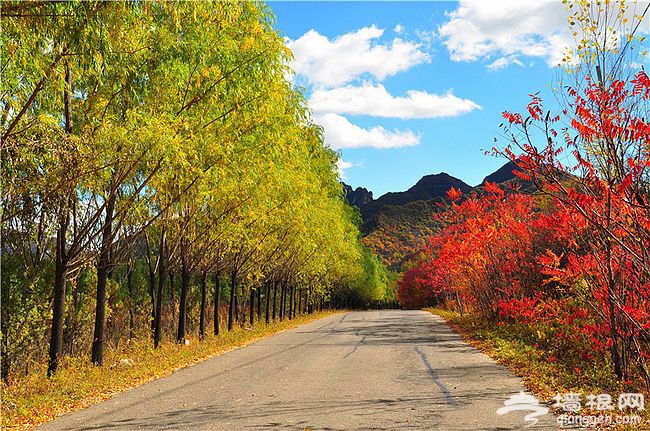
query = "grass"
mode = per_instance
[
  {"x": 542, "y": 375},
  {"x": 34, "y": 399}
]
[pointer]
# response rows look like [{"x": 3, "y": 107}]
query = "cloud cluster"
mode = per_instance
[
  {"x": 345, "y": 74},
  {"x": 504, "y": 29},
  {"x": 376, "y": 101},
  {"x": 330, "y": 63},
  {"x": 503, "y": 62},
  {"x": 341, "y": 133},
  {"x": 499, "y": 32}
]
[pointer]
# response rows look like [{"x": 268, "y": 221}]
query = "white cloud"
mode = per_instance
[
  {"x": 330, "y": 63},
  {"x": 342, "y": 165},
  {"x": 341, "y": 133},
  {"x": 503, "y": 62},
  {"x": 333, "y": 69},
  {"x": 428, "y": 38},
  {"x": 506, "y": 28},
  {"x": 375, "y": 101}
]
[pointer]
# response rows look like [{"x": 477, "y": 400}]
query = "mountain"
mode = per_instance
[
  {"x": 401, "y": 232},
  {"x": 503, "y": 174},
  {"x": 357, "y": 197},
  {"x": 427, "y": 188},
  {"x": 397, "y": 225}
]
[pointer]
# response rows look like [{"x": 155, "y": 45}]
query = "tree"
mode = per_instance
[
  {"x": 147, "y": 139},
  {"x": 604, "y": 182}
]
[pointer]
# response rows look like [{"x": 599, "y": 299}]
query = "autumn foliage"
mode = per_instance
[
  {"x": 487, "y": 252},
  {"x": 570, "y": 264}
]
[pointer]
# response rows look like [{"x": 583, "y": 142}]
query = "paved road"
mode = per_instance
[{"x": 376, "y": 370}]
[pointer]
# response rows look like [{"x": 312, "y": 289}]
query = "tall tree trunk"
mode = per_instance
[
  {"x": 182, "y": 307},
  {"x": 237, "y": 309},
  {"x": 251, "y": 307},
  {"x": 259, "y": 303},
  {"x": 58, "y": 307},
  {"x": 103, "y": 267},
  {"x": 283, "y": 300},
  {"x": 268, "y": 300},
  {"x": 152, "y": 297},
  {"x": 5, "y": 322},
  {"x": 171, "y": 286},
  {"x": 310, "y": 305},
  {"x": 129, "y": 286},
  {"x": 231, "y": 305},
  {"x": 275, "y": 298},
  {"x": 283, "y": 291},
  {"x": 61, "y": 264},
  {"x": 172, "y": 299},
  {"x": 217, "y": 301},
  {"x": 162, "y": 276},
  {"x": 242, "y": 308},
  {"x": 291, "y": 302},
  {"x": 204, "y": 277},
  {"x": 298, "y": 302},
  {"x": 295, "y": 302}
]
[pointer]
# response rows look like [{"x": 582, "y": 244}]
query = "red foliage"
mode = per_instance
[
  {"x": 488, "y": 251},
  {"x": 602, "y": 192},
  {"x": 453, "y": 194},
  {"x": 575, "y": 264}
]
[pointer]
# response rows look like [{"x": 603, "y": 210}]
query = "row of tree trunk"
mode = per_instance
[{"x": 282, "y": 299}]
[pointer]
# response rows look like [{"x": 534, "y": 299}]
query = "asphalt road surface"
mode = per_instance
[{"x": 375, "y": 370}]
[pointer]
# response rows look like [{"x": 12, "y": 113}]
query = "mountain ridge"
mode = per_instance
[
  {"x": 397, "y": 225},
  {"x": 361, "y": 196},
  {"x": 357, "y": 197}
]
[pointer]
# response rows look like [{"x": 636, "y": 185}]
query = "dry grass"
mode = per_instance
[
  {"x": 34, "y": 399},
  {"x": 540, "y": 376}
]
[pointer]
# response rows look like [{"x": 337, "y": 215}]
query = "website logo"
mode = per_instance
[{"x": 524, "y": 401}]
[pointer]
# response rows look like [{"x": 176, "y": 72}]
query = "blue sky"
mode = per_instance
[{"x": 409, "y": 89}]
